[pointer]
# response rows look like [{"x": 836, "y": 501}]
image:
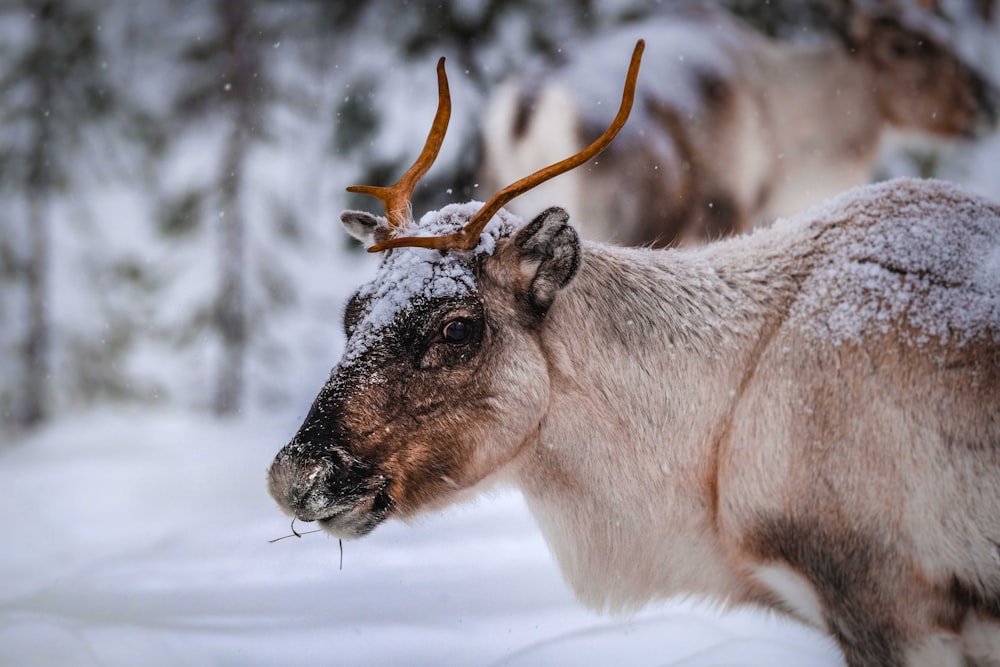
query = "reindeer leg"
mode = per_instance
[{"x": 859, "y": 587}]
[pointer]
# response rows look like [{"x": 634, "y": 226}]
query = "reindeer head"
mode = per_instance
[
  {"x": 442, "y": 380},
  {"x": 919, "y": 81}
]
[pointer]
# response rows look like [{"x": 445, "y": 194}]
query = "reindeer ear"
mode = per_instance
[
  {"x": 365, "y": 227},
  {"x": 549, "y": 250}
]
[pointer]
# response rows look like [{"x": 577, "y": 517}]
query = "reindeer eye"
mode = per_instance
[
  {"x": 456, "y": 331},
  {"x": 900, "y": 50}
]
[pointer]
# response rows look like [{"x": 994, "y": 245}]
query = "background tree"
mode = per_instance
[
  {"x": 229, "y": 79},
  {"x": 171, "y": 173},
  {"x": 54, "y": 87}
]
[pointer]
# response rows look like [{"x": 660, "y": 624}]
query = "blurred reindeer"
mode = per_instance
[{"x": 731, "y": 129}]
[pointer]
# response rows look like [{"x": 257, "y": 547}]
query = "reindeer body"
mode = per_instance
[
  {"x": 731, "y": 129},
  {"x": 806, "y": 418}
]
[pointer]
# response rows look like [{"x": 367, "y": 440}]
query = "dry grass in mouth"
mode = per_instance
[{"x": 296, "y": 533}]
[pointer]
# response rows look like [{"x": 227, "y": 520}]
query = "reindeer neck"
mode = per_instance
[
  {"x": 822, "y": 82},
  {"x": 658, "y": 314},
  {"x": 830, "y": 122},
  {"x": 645, "y": 349}
]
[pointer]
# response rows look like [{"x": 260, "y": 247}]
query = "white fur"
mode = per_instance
[
  {"x": 794, "y": 590},
  {"x": 941, "y": 650},
  {"x": 552, "y": 131}
]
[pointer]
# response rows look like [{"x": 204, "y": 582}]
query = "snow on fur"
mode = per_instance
[
  {"x": 406, "y": 273},
  {"x": 917, "y": 253},
  {"x": 892, "y": 255}
]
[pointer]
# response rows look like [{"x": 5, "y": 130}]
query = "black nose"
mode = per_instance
[{"x": 313, "y": 487}]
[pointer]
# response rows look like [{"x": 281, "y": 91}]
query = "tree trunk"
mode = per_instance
[
  {"x": 231, "y": 302},
  {"x": 35, "y": 266},
  {"x": 36, "y": 347},
  {"x": 231, "y": 308}
]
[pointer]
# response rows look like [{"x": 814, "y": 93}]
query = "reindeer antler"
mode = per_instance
[
  {"x": 466, "y": 238},
  {"x": 396, "y": 198}
]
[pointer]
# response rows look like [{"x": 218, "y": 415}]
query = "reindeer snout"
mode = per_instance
[{"x": 311, "y": 487}]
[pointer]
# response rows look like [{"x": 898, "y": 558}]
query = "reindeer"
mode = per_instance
[
  {"x": 734, "y": 129},
  {"x": 806, "y": 418}
]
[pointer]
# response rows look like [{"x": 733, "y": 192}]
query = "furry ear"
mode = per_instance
[
  {"x": 549, "y": 251},
  {"x": 365, "y": 227}
]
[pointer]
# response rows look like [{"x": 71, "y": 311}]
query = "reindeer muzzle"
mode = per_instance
[{"x": 346, "y": 495}]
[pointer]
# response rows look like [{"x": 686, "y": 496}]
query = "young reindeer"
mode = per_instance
[
  {"x": 732, "y": 129},
  {"x": 806, "y": 418}
]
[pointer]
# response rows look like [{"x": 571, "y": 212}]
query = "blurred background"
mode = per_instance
[
  {"x": 171, "y": 176},
  {"x": 172, "y": 278}
]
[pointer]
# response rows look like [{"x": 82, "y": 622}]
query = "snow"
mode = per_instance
[
  {"x": 918, "y": 259},
  {"x": 138, "y": 537},
  {"x": 407, "y": 273}
]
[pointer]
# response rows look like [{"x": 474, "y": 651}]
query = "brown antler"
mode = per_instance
[
  {"x": 467, "y": 237},
  {"x": 396, "y": 198}
]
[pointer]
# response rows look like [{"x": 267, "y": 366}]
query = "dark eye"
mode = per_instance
[
  {"x": 456, "y": 331},
  {"x": 900, "y": 50}
]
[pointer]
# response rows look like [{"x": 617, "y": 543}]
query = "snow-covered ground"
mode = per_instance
[{"x": 138, "y": 538}]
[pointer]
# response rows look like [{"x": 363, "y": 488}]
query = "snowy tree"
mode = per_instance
[
  {"x": 230, "y": 80},
  {"x": 54, "y": 87},
  {"x": 264, "y": 112}
]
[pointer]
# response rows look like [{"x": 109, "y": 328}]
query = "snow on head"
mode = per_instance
[
  {"x": 919, "y": 258},
  {"x": 410, "y": 273}
]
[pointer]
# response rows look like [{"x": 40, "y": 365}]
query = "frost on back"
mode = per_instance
[
  {"x": 918, "y": 258},
  {"x": 407, "y": 275}
]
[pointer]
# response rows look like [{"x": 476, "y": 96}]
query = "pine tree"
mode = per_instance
[
  {"x": 233, "y": 84},
  {"x": 53, "y": 88}
]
